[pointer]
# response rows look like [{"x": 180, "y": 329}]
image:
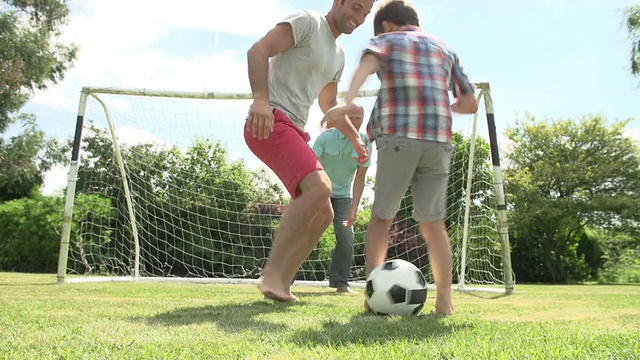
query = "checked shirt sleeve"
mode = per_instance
[
  {"x": 460, "y": 84},
  {"x": 380, "y": 47}
]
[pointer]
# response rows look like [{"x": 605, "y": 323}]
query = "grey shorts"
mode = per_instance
[{"x": 423, "y": 165}]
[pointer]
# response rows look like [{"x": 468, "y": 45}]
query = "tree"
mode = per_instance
[
  {"x": 565, "y": 177},
  {"x": 30, "y": 58},
  {"x": 25, "y": 158},
  {"x": 632, "y": 14},
  {"x": 30, "y": 54},
  {"x": 30, "y": 240}
]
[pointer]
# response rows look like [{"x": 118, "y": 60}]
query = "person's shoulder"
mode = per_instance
[
  {"x": 306, "y": 15},
  {"x": 399, "y": 38},
  {"x": 301, "y": 12},
  {"x": 333, "y": 132},
  {"x": 434, "y": 40},
  {"x": 329, "y": 133},
  {"x": 311, "y": 15}
]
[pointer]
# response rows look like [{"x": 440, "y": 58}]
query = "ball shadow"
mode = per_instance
[{"x": 359, "y": 330}]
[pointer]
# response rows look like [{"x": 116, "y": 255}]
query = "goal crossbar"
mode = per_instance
[{"x": 481, "y": 86}]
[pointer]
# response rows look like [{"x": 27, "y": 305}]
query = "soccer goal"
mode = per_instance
[{"x": 162, "y": 187}]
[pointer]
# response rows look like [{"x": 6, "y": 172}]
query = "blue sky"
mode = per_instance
[{"x": 550, "y": 58}]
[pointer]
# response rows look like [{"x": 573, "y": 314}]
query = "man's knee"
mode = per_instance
[
  {"x": 327, "y": 214},
  {"x": 317, "y": 186}
]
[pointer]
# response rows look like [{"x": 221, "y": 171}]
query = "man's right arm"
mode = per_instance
[
  {"x": 291, "y": 31},
  {"x": 273, "y": 43},
  {"x": 288, "y": 33}
]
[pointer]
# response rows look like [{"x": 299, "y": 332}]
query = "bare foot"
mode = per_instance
[
  {"x": 276, "y": 294},
  {"x": 280, "y": 298},
  {"x": 345, "y": 290},
  {"x": 444, "y": 309}
]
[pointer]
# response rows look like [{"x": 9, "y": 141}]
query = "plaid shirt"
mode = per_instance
[{"x": 417, "y": 71}]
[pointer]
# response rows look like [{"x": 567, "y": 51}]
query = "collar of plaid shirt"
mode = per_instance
[{"x": 409, "y": 28}]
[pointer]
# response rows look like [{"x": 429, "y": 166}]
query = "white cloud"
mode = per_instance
[
  {"x": 129, "y": 136},
  {"x": 55, "y": 180},
  {"x": 125, "y": 24},
  {"x": 634, "y": 133},
  {"x": 118, "y": 46}
]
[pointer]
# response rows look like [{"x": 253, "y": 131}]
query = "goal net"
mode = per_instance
[{"x": 162, "y": 187}]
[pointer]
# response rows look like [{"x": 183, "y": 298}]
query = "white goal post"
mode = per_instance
[{"x": 161, "y": 187}]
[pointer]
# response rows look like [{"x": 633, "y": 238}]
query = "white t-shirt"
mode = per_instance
[{"x": 298, "y": 74}]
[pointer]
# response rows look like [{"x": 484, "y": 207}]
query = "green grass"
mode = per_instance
[{"x": 42, "y": 320}]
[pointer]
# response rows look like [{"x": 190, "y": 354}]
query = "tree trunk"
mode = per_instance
[{"x": 561, "y": 272}]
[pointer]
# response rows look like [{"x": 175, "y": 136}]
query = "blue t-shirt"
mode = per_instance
[{"x": 337, "y": 155}]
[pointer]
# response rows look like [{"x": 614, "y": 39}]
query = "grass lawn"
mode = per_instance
[{"x": 42, "y": 320}]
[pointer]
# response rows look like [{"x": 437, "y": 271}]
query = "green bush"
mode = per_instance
[
  {"x": 31, "y": 228},
  {"x": 622, "y": 260}
]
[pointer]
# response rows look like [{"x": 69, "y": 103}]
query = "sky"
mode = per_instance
[{"x": 553, "y": 59}]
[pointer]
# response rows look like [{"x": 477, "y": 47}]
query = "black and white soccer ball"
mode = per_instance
[{"x": 396, "y": 287}]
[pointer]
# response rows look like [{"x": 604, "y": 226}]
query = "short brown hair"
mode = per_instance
[{"x": 398, "y": 12}]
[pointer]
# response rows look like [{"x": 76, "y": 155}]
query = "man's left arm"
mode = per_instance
[
  {"x": 336, "y": 116},
  {"x": 328, "y": 97}
]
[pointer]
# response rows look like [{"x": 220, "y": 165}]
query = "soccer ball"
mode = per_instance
[{"x": 396, "y": 287}]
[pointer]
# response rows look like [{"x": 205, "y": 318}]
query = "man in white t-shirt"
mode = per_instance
[{"x": 293, "y": 64}]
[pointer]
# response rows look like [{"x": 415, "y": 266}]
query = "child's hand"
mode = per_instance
[
  {"x": 362, "y": 150},
  {"x": 339, "y": 113},
  {"x": 353, "y": 216}
]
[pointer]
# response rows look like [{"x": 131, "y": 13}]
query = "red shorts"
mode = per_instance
[{"x": 286, "y": 152}]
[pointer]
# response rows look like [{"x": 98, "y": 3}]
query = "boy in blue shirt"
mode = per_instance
[{"x": 337, "y": 156}]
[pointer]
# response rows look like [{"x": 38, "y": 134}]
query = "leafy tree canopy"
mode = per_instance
[{"x": 31, "y": 55}]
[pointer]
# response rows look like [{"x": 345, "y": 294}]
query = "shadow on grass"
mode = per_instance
[
  {"x": 372, "y": 329},
  {"x": 329, "y": 294},
  {"x": 487, "y": 296},
  {"x": 228, "y": 317},
  {"x": 7, "y": 284}
]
